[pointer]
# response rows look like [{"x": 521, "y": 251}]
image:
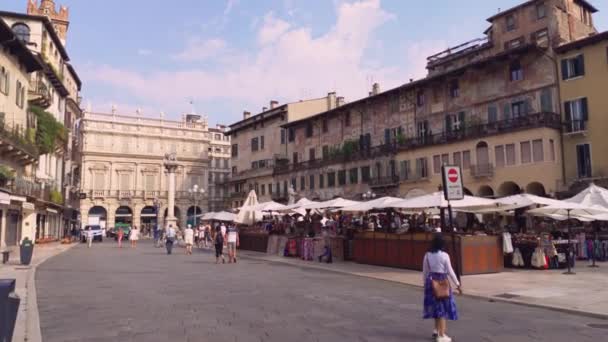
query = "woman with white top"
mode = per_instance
[
  {"x": 437, "y": 266},
  {"x": 134, "y": 236}
]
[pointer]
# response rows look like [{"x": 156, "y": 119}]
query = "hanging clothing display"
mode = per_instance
[
  {"x": 538, "y": 258},
  {"x": 507, "y": 244},
  {"x": 518, "y": 260}
]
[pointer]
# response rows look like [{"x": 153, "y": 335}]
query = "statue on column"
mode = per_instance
[{"x": 292, "y": 195}]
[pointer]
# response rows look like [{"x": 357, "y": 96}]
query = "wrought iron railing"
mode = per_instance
[{"x": 482, "y": 170}]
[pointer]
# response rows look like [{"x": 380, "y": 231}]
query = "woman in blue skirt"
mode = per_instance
[{"x": 437, "y": 266}]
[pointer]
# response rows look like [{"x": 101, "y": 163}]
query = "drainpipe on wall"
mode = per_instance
[{"x": 559, "y": 111}]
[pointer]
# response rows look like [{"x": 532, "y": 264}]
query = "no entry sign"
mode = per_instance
[{"x": 452, "y": 183}]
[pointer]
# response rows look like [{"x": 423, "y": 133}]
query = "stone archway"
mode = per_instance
[
  {"x": 508, "y": 189},
  {"x": 415, "y": 193},
  {"x": 536, "y": 188},
  {"x": 148, "y": 218},
  {"x": 97, "y": 215},
  {"x": 123, "y": 214},
  {"x": 485, "y": 191},
  {"x": 191, "y": 216}
]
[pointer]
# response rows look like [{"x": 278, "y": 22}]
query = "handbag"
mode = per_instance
[{"x": 441, "y": 288}]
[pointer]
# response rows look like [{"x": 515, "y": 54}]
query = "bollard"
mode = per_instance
[{"x": 9, "y": 306}]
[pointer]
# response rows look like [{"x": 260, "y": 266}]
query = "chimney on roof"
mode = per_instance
[
  {"x": 340, "y": 101},
  {"x": 264, "y": 109},
  {"x": 411, "y": 80},
  {"x": 273, "y": 104},
  {"x": 331, "y": 100},
  {"x": 375, "y": 89},
  {"x": 246, "y": 115}
]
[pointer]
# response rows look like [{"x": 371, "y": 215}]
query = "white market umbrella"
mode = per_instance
[
  {"x": 513, "y": 202},
  {"x": 436, "y": 200},
  {"x": 207, "y": 216},
  {"x": 592, "y": 196},
  {"x": 378, "y": 203},
  {"x": 300, "y": 203},
  {"x": 267, "y": 206},
  {"x": 334, "y": 203},
  {"x": 246, "y": 215},
  {"x": 224, "y": 216}
]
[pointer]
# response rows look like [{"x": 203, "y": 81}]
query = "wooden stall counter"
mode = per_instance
[
  {"x": 477, "y": 254},
  {"x": 251, "y": 241}
]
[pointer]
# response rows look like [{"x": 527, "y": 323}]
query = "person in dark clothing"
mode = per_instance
[{"x": 219, "y": 245}]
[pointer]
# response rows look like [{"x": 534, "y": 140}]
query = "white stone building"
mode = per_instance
[{"x": 123, "y": 178}]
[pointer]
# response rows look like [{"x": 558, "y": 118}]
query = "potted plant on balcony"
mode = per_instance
[{"x": 7, "y": 175}]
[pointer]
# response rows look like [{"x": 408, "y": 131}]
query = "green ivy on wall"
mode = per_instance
[
  {"x": 50, "y": 133},
  {"x": 56, "y": 197}
]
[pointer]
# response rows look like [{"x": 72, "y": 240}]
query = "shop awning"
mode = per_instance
[
  {"x": 53, "y": 211},
  {"x": 144, "y": 215},
  {"x": 5, "y": 198},
  {"x": 18, "y": 198}
]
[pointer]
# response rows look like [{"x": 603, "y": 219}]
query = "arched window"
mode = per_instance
[{"x": 22, "y": 32}]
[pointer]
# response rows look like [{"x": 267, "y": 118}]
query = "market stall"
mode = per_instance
[{"x": 474, "y": 254}]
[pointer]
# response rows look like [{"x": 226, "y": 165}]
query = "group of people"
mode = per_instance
[{"x": 221, "y": 236}]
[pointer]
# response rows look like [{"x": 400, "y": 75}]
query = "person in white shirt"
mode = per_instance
[
  {"x": 223, "y": 229},
  {"x": 170, "y": 238},
  {"x": 189, "y": 239},
  {"x": 233, "y": 242},
  {"x": 134, "y": 236},
  {"x": 437, "y": 267}
]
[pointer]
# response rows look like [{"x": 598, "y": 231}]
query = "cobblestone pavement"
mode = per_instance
[{"x": 110, "y": 294}]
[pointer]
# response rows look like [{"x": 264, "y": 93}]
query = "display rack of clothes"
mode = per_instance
[{"x": 529, "y": 252}]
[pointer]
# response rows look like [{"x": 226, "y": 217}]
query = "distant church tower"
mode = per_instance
[{"x": 59, "y": 19}]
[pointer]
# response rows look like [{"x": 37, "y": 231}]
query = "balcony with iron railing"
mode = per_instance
[
  {"x": 381, "y": 182},
  {"x": 28, "y": 187},
  {"x": 14, "y": 144},
  {"x": 482, "y": 171},
  {"x": 530, "y": 121},
  {"x": 40, "y": 94},
  {"x": 338, "y": 157}
]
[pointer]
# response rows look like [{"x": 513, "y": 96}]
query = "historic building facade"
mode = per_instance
[
  {"x": 219, "y": 168},
  {"x": 583, "y": 78},
  {"x": 490, "y": 105},
  {"x": 18, "y": 155},
  {"x": 52, "y": 97},
  {"x": 123, "y": 178},
  {"x": 259, "y": 143}
]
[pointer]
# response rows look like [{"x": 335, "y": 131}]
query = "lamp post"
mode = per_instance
[
  {"x": 196, "y": 194},
  {"x": 157, "y": 205},
  {"x": 369, "y": 195}
]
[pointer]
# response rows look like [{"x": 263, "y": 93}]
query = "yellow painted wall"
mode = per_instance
[{"x": 593, "y": 85}]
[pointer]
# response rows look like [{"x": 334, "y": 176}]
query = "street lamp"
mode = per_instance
[
  {"x": 369, "y": 195},
  {"x": 196, "y": 194}
]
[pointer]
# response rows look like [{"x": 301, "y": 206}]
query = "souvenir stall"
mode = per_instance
[{"x": 473, "y": 254}]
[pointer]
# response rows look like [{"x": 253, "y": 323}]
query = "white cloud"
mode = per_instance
[
  {"x": 272, "y": 29},
  {"x": 198, "y": 49},
  {"x": 289, "y": 64},
  {"x": 144, "y": 52}
]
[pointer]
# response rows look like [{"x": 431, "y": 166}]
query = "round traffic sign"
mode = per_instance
[{"x": 453, "y": 175}]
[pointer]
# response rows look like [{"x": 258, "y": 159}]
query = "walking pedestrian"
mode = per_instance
[
  {"x": 89, "y": 235},
  {"x": 134, "y": 236},
  {"x": 201, "y": 236},
  {"x": 438, "y": 295},
  {"x": 219, "y": 246},
  {"x": 233, "y": 242},
  {"x": 120, "y": 234},
  {"x": 156, "y": 234},
  {"x": 170, "y": 237},
  {"x": 326, "y": 247},
  {"x": 189, "y": 239}
]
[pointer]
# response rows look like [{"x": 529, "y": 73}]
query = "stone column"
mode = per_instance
[
  {"x": 3, "y": 228},
  {"x": 170, "y": 164}
]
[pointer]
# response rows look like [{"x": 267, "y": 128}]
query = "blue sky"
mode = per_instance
[{"x": 227, "y": 56}]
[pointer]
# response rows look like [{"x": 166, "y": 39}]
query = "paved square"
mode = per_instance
[{"x": 110, "y": 294}]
